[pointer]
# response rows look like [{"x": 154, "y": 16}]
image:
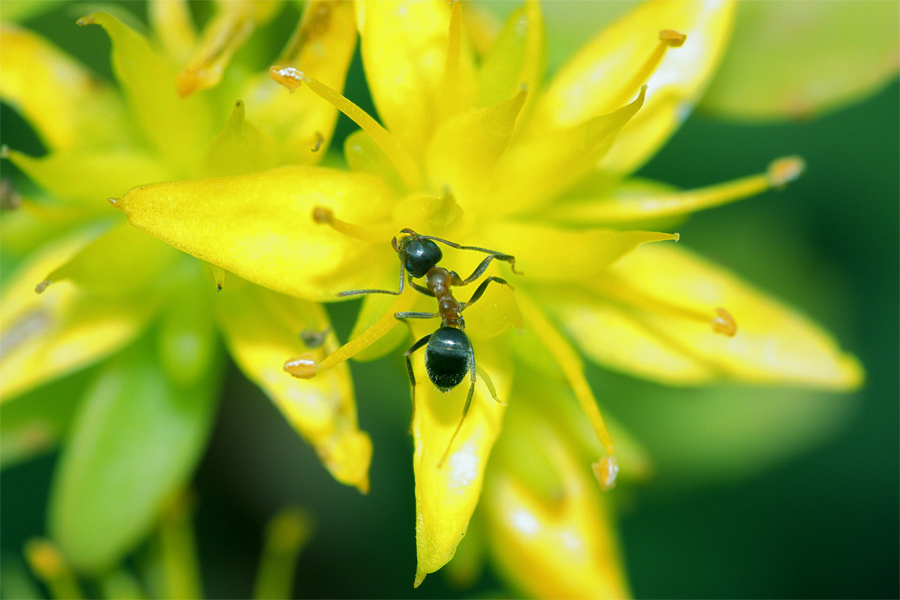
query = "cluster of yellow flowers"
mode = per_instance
[{"x": 473, "y": 145}]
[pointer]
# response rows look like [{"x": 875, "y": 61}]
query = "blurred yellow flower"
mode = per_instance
[
  {"x": 475, "y": 147},
  {"x": 105, "y": 286}
]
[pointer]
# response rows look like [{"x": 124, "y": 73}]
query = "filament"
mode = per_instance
[
  {"x": 305, "y": 366},
  {"x": 291, "y": 78},
  {"x": 572, "y": 366},
  {"x": 720, "y": 319},
  {"x": 668, "y": 38},
  {"x": 367, "y": 233}
]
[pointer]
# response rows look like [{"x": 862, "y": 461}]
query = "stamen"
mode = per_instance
[
  {"x": 223, "y": 36},
  {"x": 651, "y": 206},
  {"x": 305, "y": 366},
  {"x": 572, "y": 366},
  {"x": 668, "y": 38},
  {"x": 724, "y": 323},
  {"x": 785, "y": 170},
  {"x": 367, "y": 233},
  {"x": 48, "y": 565},
  {"x": 626, "y": 296},
  {"x": 406, "y": 166},
  {"x": 39, "y": 288}
]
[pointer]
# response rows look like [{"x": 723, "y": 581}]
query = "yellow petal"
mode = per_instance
[
  {"x": 122, "y": 262},
  {"x": 88, "y": 175},
  {"x": 404, "y": 49},
  {"x": 465, "y": 148},
  {"x": 48, "y": 335},
  {"x": 549, "y": 545},
  {"x": 322, "y": 47},
  {"x": 65, "y": 104},
  {"x": 175, "y": 126},
  {"x": 260, "y": 226},
  {"x": 534, "y": 171},
  {"x": 517, "y": 57},
  {"x": 261, "y": 328},
  {"x": 239, "y": 148},
  {"x": 554, "y": 254},
  {"x": 591, "y": 82},
  {"x": 647, "y": 319},
  {"x": 446, "y": 495}
]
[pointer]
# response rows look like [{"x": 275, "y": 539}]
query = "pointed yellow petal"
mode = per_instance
[
  {"x": 517, "y": 57},
  {"x": 261, "y": 328},
  {"x": 175, "y": 126},
  {"x": 322, "y": 47},
  {"x": 65, "y": 104},
  {"x": 550, "y": 545},
  {"x": 88, "y": 176},
  {"x": 239, "y": 148},
  {"x": 48, "y": 335},
  {"x": 260, "y": 226},
  {"x": 650, "y": 311},
  {"x": 534, "y": 171},
  {"x": 446, "y": 495},
  {"x": 404, "y": 49},
  {"x": 553, "y": 254},
  {"x": 465, "y": 148},
  {"x": 591, "y": 83},
  {"x": 122, "y": 262}
]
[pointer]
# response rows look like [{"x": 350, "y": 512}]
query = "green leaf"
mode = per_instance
[
  {"x": 135, "y": 442},
  {"x": 801, "y": 59}
]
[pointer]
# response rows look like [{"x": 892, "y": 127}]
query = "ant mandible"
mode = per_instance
[{"x": 448, "y": 351}]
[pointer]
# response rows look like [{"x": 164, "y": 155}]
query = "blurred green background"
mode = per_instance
[{"x": 758, "y": 493}]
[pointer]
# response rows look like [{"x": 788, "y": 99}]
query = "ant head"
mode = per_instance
[{"x": 419, "y": 254}]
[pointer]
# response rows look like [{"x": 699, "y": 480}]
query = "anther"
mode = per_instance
[
  {"x": 322, "y": 215},
  {"x": 39, "y": 288},
  {"x": 113, "y": 201},
  {"x": 672, "y": 38},
  {"x": 724, "y": 323},
  {"x": 4, "y": 151},
  {"x": 303, "y": 366},
  {"x": 320, "y": 139},
  {"x": 606, "y": 470},
  {"x": 289, "y": 77},
  {"x": 785, "y": 170}
]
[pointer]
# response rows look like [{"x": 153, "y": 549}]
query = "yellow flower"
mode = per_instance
[
  {"x": 481, "y": 151},
  {"x": 147, "y": 315},
  {"x": 474, "y": 147}
]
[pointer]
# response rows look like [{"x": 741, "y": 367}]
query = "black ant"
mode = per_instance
[{"x": 448, "y": 351}]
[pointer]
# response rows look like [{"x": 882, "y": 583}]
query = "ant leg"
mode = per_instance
[
  {"x": 479, "y": 270},
  {"x": 409, "y": 369},
  {"x": 416, "y": 315},
  {"x": 420, "y": 289},
  {"x": 465, "y": 408},
  {"x": 494, "y": 254},
  {"x": 490, "y": 386},
  {"x": 397, "y": 293},
  {"x": 480, "y": 291}
]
